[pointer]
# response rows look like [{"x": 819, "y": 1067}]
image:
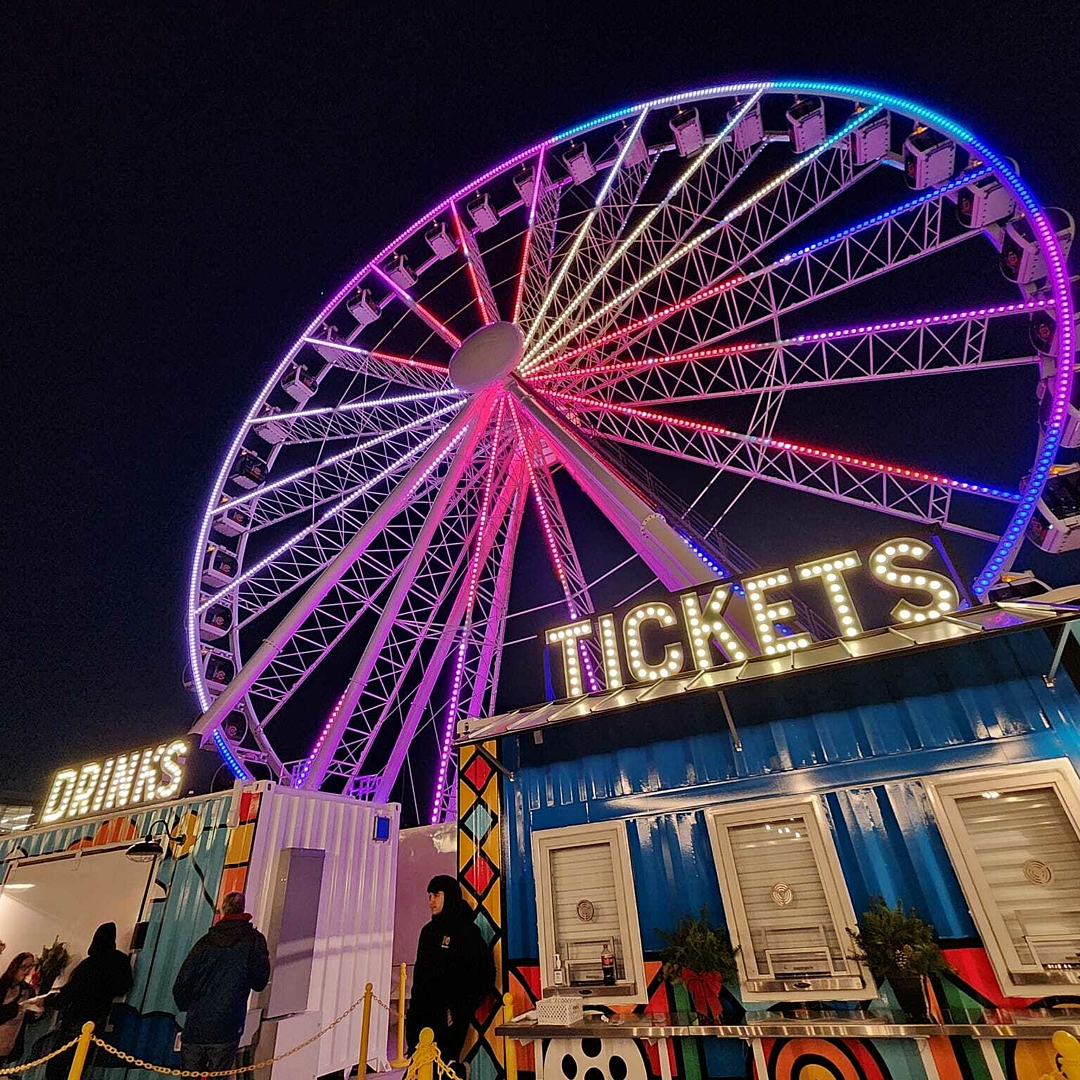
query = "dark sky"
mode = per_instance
[{"x": 183, "y": 184}]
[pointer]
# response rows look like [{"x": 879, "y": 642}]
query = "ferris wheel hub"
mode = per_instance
[{"x": 486, "y": 356}]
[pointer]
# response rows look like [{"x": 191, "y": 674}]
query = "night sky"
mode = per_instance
[{"x": 185, "y": 183}]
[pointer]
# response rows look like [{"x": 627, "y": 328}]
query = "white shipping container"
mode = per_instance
[{"x": 354, "y": 927}]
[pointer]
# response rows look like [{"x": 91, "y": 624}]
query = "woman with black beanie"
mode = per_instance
[
  {"x": 453, "y": 973},
  {"x": 88, "y": 994}
]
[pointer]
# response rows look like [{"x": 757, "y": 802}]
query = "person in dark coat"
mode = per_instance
[
  {"x": 15, "y": 990},
  {"x": 213, "y": 985},
  {"x": 454, "y": 971},
  {"x": 88, "y": 994}
]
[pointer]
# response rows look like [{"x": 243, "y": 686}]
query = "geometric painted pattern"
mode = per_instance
[{"x": 480, "y": 874}]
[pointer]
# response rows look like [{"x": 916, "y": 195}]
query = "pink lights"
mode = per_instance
[
  {"x": 485, "y": 315},
  {"x": 538, "y": 183},
  {"x": 472, "y": 585},
  {"x": 440, "y": 328},
  {"x": 390, "y": 358}
]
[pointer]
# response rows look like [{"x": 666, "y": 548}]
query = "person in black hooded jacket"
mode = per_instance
[
  {"x": 213, "y": 984},
  {"x": 453, "y": 973},
  {"x": 88, "y": 994}
]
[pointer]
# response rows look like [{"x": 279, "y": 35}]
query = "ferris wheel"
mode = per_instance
[{"x": 607, "y": 335}]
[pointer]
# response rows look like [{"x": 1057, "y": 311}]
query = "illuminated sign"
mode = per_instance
[
  {"x": 659, "y": 639},
  {"x": 117, "y": 783}
]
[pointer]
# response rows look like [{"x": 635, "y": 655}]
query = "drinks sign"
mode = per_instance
[
  {"x": 659, "y": 638},
  {"x": 120, "y": 782}
]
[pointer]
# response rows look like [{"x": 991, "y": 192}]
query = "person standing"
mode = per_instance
[
  {"x": 15, "y": 989},
  {"x": 213, "y": 985},
  {"x": 88, "y": 994},
  {"x": 453, "y": 973}
]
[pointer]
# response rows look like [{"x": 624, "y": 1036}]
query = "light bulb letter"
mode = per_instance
[
  {"x": 568, "y": 637},
  {"x": 830, "y": 572},
  {"x": 711, "y": 624},
  {"x": 766, "y": 614},
  {"x": 172, "y": 766},
  {"x": 663, "y": 615},
  {"x": 59, "y": 795},
  {"x": 943, "y": 592}
]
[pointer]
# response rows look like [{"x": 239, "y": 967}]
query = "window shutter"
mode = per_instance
[
  {"x": 792, "y": 930},
  {"x": 1025, "y": 845},
  {"x": 585, "y": 872}
]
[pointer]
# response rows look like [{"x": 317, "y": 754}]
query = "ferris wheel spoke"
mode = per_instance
[
  {"x": 477, "y": 271},
  {"x": 539, "y": 248},
  {"x": 293, "y": 622},
  {"x": 899, "y": 490},
  {"x": 913, "y": 230},
  {"x": 896, "y": 348},
  {"x": 419, "y": 310},
  {"x": 408, "y": 591},
  {"x": 334, "y": 475},
  {"x": 421, "y": 708},
  {"x": 412, "y": 371},
  {"x": 527, "y": 262},
  {"x": 352, "y": 597},
  {"x": 359, "y": 418},
  {"x": 721, "y": 229},
  {"x": 667, "y": 216}
]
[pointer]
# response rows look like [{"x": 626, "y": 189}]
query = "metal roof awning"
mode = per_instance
[{"x": 974, "y": 624}]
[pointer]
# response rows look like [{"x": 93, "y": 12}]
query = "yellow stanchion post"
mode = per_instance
[
  {"x": 401, "y": 1060},
  {"x": 365, "y": 1030},
  {"x": 424, "y": 1058},
  {"x": 509, "y": 1046},
  {"x": 82, "y": 1048}
]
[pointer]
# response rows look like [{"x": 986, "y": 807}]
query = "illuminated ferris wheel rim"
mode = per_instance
[{"x": 1050, "y": 436}]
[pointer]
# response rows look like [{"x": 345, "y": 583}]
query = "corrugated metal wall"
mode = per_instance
[
  {"x": 355, "y": 930},
  {"x": 187, "y": 880},
  {"x": 980, "y": 704}
]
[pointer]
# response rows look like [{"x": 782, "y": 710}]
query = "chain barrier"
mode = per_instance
[
  {"x": 164, "y": 1070},
  {"x": 11, "y": 1070}
]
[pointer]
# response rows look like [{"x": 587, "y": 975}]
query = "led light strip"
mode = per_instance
[
  {"x": 485, "y": 316},
  {"x": 648, "y": 219},
  {"x": 307, "y": 530},
  {"x": 690, "y": 245},
  {"x": 780, "y": 444},
  {"x": 538, "y": 173},
  {"x": 265, "y": 489},
  {"x": 549, "y": 536},
  {"x": 715, "y": 351},
  {"x": 439, "y": 327},
  {"x": 356, "y": 406},
  {"x": 446, "y": 744},
  {"x": 375, "y": 354},
  {"x": 613, "y": 172},
  {"x": 560, "y": 276},
  {"x": 935, "y": 193}
]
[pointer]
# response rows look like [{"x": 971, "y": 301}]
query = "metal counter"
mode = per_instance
[
  {"x": 981, "y": 1025},
  {"x": 977, "y": 1024}
]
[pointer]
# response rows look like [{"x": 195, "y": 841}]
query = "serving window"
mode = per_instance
[
  {"x": 788, "y": 907},
  {"x": 1013, "y": 835},
  {"x": 586, "y": 907}
]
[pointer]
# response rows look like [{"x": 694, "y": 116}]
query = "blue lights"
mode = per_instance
[
  {"x": 235, "y": 767},
  {"x": 911, "y": 204}
]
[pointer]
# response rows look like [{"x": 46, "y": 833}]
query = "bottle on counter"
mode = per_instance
[
  {"x": 558, "y": 974},
  {"x": 607, "y": 965}
]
